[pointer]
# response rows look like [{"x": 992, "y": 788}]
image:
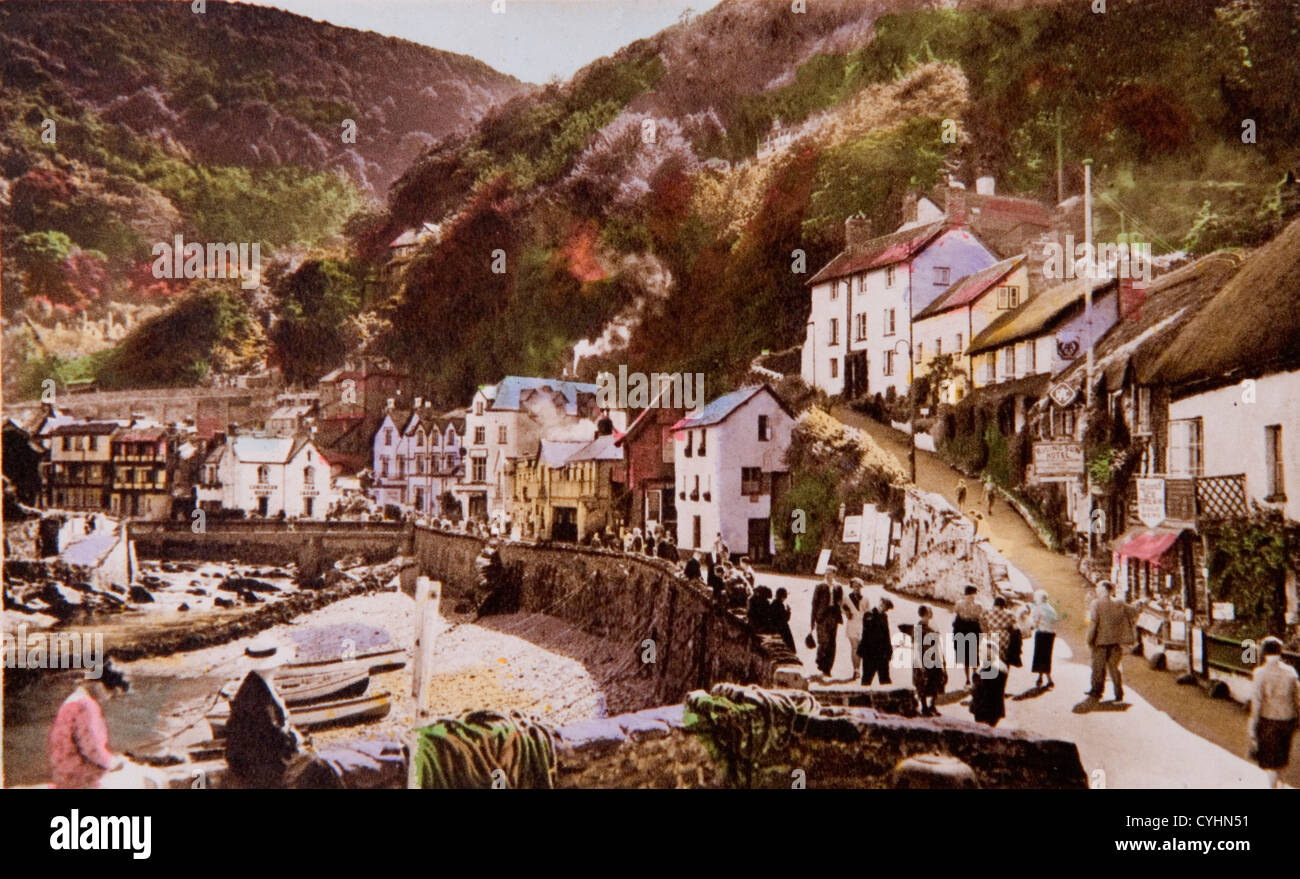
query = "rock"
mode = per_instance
[
  {"x": 183, "y": 606},
  {"x": 223, "y": 602},
  {"x": 246, "y": 584},
  {"x": 140, "y": 595},
  {"x": 196, "y": 591},
  {"x": 933, "y": 772}
]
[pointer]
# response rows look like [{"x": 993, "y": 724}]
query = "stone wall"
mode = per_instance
[
  {"x": 840, "y": 748},
  {"x": 269, "y": 543},
  {"x": 619, "y": 597}
]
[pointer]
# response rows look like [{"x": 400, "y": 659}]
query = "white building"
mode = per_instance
[
  {"x": 267, "y": 476},
  {"x": 725, "y": 458},
  {"x": 507, "y": 420},
  {"x": 416, "y": 458}
]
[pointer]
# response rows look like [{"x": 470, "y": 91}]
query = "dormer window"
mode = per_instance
[
  {"x": 1008, "y": 297},
  {"x": 388, "y": 436}
]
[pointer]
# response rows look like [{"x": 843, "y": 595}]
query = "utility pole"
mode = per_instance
[
  {"x": 1060, "y": 167},
  {"x": 1087, "y": 311}
]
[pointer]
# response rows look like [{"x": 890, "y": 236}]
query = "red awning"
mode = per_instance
[{"x": 1148, "y": 546}]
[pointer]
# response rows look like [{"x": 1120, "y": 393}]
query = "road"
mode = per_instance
[{"x": 1164, "y": 735}]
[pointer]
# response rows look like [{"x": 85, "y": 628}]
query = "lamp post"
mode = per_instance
[{"x": 911, "y": 422}]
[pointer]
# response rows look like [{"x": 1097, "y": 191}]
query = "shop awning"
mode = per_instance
[{"x": 1147, "y": 546}]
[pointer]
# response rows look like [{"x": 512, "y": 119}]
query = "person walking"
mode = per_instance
[
  {"x": 693, "y": 569},
  {"x": 826, "y": 619},
  {"x": 876, "y": 647},
  {"x": 966, "y": 630},
  {"x": 929, "y": 662},
  {"x": 988, "y": 696},
  {"x": 998, "y": 624},
  {"x": 1110, "y": 630},
  {"x": 1274, "y": 711},
  {"x": 855, "y": 610},
  {"x": 990, "y": 492},
  {"x": 1043, "y": 617},
  {"x": 961, "y": 494},
  {"x": 720, "y": 552}
]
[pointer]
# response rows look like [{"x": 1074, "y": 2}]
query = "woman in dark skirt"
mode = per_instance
[
  {"x": 1044, "y": 619},
  {"x": 988, "y": 695},
  {"x": 966, "y": 630},
  {"x": 1274, "y": 711}
]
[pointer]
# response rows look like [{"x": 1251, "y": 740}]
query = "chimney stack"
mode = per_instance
[
  {"x": 857, "y": 231},
  {"x": 418, "y": 401},
  {"x": 911, "y": 204},
  {"x": 956, "y": 205}
]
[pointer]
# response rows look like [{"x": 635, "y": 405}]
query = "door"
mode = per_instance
[
  {"x": 307, "y": 504},
  {"x": 855, "y": 374},
  {"x": 263, "y": 504},
  {"x": 565, "y": 525},
  {"x": 759, "y": 540},
  {"x": 697, "y": 533}
]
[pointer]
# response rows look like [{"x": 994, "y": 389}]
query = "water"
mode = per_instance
[{"x": 135, "y": 719}]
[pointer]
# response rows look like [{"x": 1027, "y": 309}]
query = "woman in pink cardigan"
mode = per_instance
[{"x": 78, "y": 741}]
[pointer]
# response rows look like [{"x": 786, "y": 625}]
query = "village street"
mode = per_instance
[{"x": 1168, "y": 736}]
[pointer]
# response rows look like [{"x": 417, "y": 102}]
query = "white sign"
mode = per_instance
[
  {"x": 1223, "y": 610},
  {"x": 852, "y": 529},
  {"x": 1151, "y": 501},
  {"x": 1062, "y": 394},
  {"x": 884, "y": 530},
  {"x": 1053, "y": 460},
  {"x": 867, "y": 546},
  {"x": 822, "y": 561}
]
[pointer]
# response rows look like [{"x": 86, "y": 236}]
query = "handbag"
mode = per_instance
[{"x": 810, "y": 642}]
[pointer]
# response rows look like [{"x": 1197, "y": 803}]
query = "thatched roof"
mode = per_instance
[
  {"x": 1172, "y": 300},
  {"x": 1251, "y": 327},
  {"x": 1042, "y": 312}
]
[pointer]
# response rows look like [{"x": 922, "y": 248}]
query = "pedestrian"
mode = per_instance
[
  {"x": 1044, "y": 618},
  {"x": 826, "y": 619},
  {"x": 855, "y": 611},
  {"x": 990, "y": 491},
  {"x": 988, "y": 696},
  {"x": 759, "y": 611},
  {"x": 78, "y": 739},
  {"x": 1110, "y": 630},
  {"x": 693, "y": 567},
  {"x": 998, "y": 624},
  {"x": 966, "y": 630},
  {"x": 961, "y": 494},
  {"x": 1274, "y": 710},
  {"x": 667, "y": 550},
  {"x": 877, "y": 646},
  {"x": 929, "y": 663},
  {"x": 718, "y": 585},
  {"x": 780, "y": 617},
  {"x": 747, "y": 570},
  {"x": 720, "y": 551}
]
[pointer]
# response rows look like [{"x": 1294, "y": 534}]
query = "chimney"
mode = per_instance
[
  {"x": 857, "y": 231},
  {"x": 1132, "y": 295},
  {"x": 985, "y": 186},
  {"x": 390, "y": 402},
  {"x": 911, "y": 203},
  {"x": 955, "y": 208},
  {"x": 418, "y": 401}
]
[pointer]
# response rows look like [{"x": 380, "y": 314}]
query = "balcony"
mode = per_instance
[{"x": 1193, "y": 498}]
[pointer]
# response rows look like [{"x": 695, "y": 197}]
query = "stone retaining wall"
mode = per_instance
[{"x": 269, "y": 543}]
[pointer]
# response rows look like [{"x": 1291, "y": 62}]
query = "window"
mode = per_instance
[
  {"x": 889, "y": 321},
  {"x": 751, "y": 480},
  {"x": 480, "y": 469},
  {"x": 919, "y": 351},
  {"x": 264, "y": 474},
  {"x": 1009, "y": 361},
  {"x": 480, "y": 435},
  {"x": 383, "y": 468},
  {"x": 764, "y": 430},
  {"x": 1031, "y": 356},
  {"x": 92, "y": 443},
  {"x": 704, "y": 442},
  {"x": 942, "y": 275},
  {"x": 478, "y": 408},
  {"x": 689, "y": 451},
  {"x": 388, "y": 436},
  {"x": 889, "y": 362},
  {"x": 1186, "y": 448},
  {"x": 419, "y": 499},
  {"x": 889, "y": 276},
  {"x": 309, "y": 477},
  {"x": 862, "y": 326},
  {"x": 835, "y": 331},
  {"x": 307, "y": 504},
  {"x": 501, "y": 434},
  {"x": 835, "y": 367},
  {"x": 76, "y": 443},
  {"x": 835, "y": 290},
  {"x": 938, "y": 347},
  {"x": 67, "y": 444},
  {"x": 1273, "y": 463},
  {"x": 419, "y": 438},
  {"x": 697, "y": 534},
  {"x": 1144, "y": 410},
  {"x": 1008, "y": 297}
]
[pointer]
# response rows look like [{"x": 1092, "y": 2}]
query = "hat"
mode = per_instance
[
  {"x": 856, "y": 583},
  {"x": 268, "y": 653}
]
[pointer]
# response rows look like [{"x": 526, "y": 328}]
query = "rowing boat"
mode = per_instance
[{"x": 319, "y": 714}]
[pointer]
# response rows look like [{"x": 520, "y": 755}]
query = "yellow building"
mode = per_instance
[{"x": 568, "y": 490}]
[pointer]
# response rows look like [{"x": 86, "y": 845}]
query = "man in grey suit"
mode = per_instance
[{"x": 1110, "y": 630}]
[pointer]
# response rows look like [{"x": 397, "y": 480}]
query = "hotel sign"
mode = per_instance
[
  {"x": 1150, "y": 501},
  {"x": 1057, "y": 460}
]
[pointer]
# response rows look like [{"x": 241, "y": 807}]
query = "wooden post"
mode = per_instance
[{"x": 427, "y": 594}]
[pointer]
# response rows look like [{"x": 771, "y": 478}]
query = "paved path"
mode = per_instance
[{"x": 1169, "y": 736}]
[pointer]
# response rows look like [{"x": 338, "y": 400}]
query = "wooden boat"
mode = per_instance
[
  {"x": 389, "y": 658},
  {"x": 336, "y": 712},
  {"x": 343, "y": 683}
]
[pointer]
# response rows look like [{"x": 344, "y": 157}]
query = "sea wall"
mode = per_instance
[
  {"x": 269, "y": 542},
  {"x": 636, "y": 600}
]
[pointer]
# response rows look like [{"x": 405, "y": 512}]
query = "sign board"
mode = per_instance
[
  {"x": 867, "y": 544},
  {"x": 823, "y": 561},
  {"x": 1149, "y": 622},
  {"x": 1150, "y": 501},
  {"x": 1062, "y": 394},
  {"x": 1223, "y": 610},
  {"x": 884, "y": 531},
  {"x": 1177, "y": 631},
  {"x": 852, "y": 529},
  {"x": 1057, "y": 459}
]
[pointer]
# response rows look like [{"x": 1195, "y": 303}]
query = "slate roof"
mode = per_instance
[
  {"x": 971, "y": 287},
  {"x": 895, "y": 247}
]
